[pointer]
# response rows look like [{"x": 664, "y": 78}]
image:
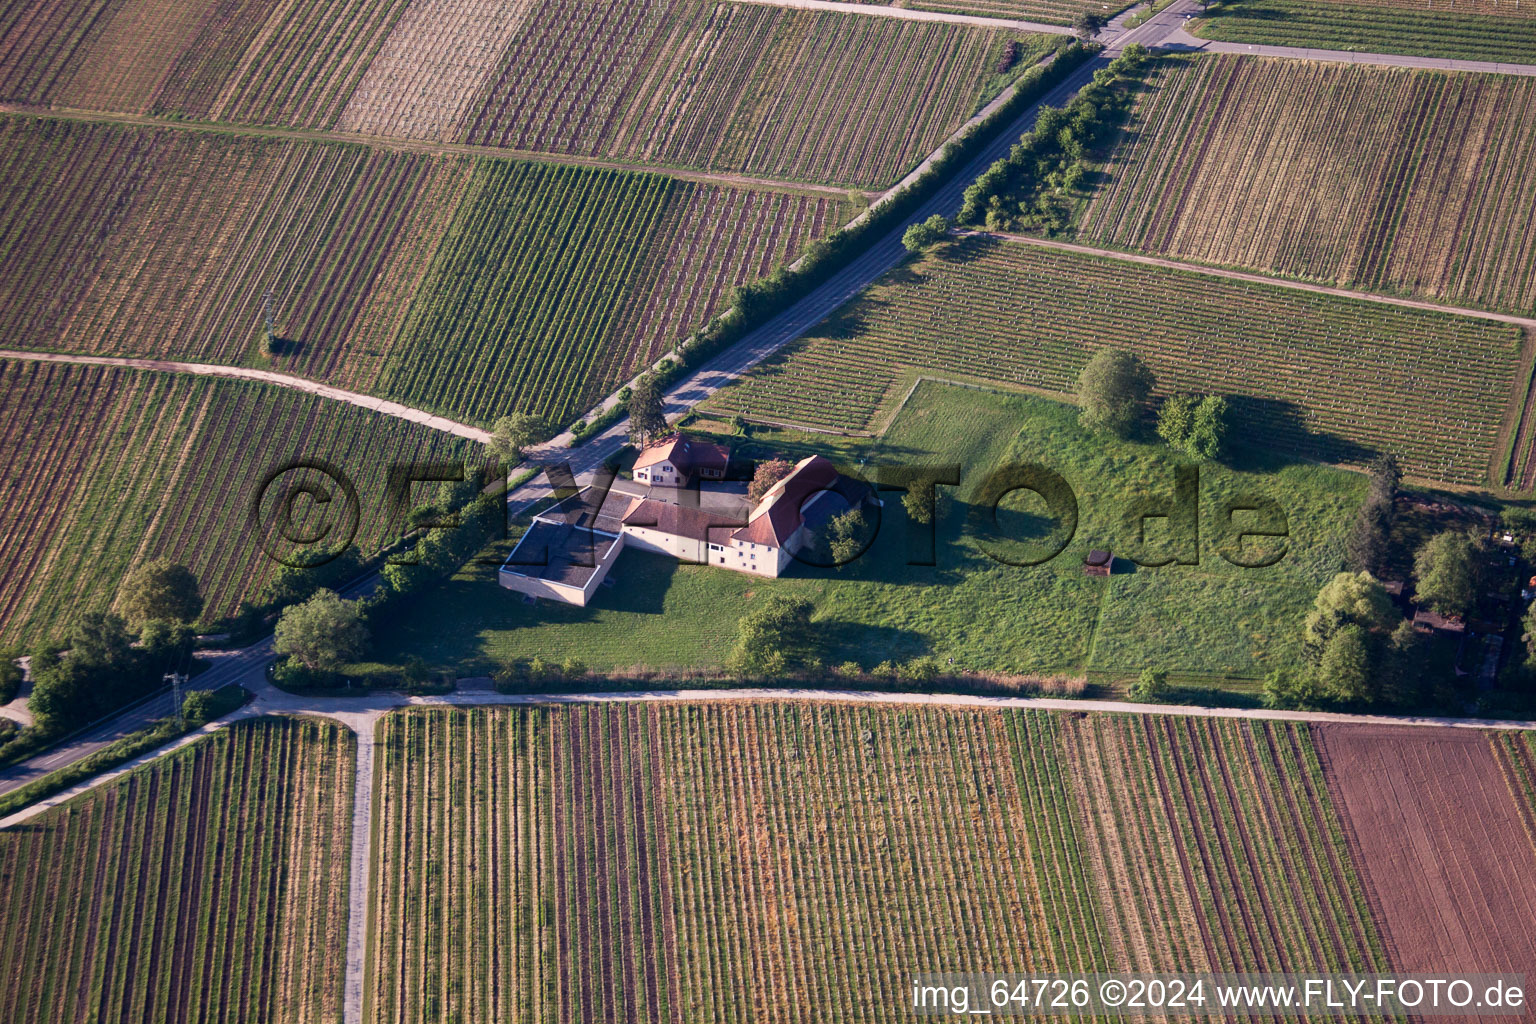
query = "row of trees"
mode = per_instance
[{"x": 1031, "y": 188}]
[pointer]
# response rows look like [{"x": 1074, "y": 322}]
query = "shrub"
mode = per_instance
[{"x": 1150, "y": 687}]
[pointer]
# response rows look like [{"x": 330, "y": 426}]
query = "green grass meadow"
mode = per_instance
[{"x": 1212, "y": 620}]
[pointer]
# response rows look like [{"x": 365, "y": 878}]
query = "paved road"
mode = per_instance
[
  {"x": 1183, "y": 41},
  {"x": 1238, "y": 275},
  {"x": 246, "y": 667},
  {"x": 282, "y": 380}
]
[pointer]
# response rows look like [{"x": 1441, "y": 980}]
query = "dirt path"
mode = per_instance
[
  {"x": 1237, "y": 275},
  {"x": 281, "y": 380},
  {"x": 395, "y": 144},
  {"x": 904, "y": 14}
]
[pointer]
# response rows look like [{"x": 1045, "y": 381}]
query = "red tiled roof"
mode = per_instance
[
  {"x": 686, "y": 454},
  {"x": 777, "y": 516}
]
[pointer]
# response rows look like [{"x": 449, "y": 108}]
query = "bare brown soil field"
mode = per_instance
[{"x": 1442, "y": 843}]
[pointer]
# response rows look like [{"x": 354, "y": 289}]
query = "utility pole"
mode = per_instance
[
  {"x": 266, "y": 315},
  {"x": 176, "y": 679}
]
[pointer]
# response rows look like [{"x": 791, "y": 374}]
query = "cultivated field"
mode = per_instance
[
  {"x": 1444, "y": 839},
  {"x": 432, "y": 70},
  {"x": 778, "y": 861},
  {"x": 795, "y": 94},
  {"x": 388, "y": 270},
  {"x": 289, "y": 62},
  {"x": 1318, "y": 376},
  {"x": 162, "y": 242},
  {"x": 738, "y": 87},
  {"x": 1382, "y": 179},
  {"x": 208, "y": 886},
  {"x": 553, "y": 283},
  {"x": 1496, "y": 30},
  {"x": 105, "y": 468}
]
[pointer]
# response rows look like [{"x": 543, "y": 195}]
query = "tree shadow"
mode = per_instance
[
  {"x": 868, "y": 645},
  {"x": 1269, "y": 433},
  {"x": 287, "y": 348}
]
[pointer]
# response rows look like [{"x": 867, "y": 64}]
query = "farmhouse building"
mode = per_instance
[
  {"x": 567, "y": 552},
  {"x": 678, "y": 462}
]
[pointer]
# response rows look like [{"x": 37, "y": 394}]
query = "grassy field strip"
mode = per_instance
[{"x": 201, "y": 884}]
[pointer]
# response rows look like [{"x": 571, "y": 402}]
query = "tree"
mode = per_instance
[
  {"x": 1193, "y": 425},
  {"x": 166, "y": 642},
  {"x": 1356, "y": 599},
  {"x": 10, "y": 674},
  {"x": 1346, "y": 667},
  {"x": 1113, "y": 390},
  {"x": 765, "y": 476},
  {"x": 95, "y": 672},
  {"x": 1288, "y": 688},
  {"x": 919, "y": 503},
  {"x": 1445, "y": 573},
  {"x": 1088, "y": 24},
  {"x": 1529, "y": 622},
  {"x": 61, "y": 694},
  {"x": 1386, "y": 476},
  {"x": 1365, "y": 550},
  {"x": 510, "y": 435},
  {"x": 198, "y": 707},
  {"x": 1403, "y": 665},
  {"x": 647, "y": 415},
  {"x": 1151, "y": 686},
  {"x": 774, "y": 637},
  {"x": 323, "y": 633},
  {"x": 926, "y": 234},
  {"x": 101, "y": 640},
  {"x": 846, "y": 536},
  {"x": 161, "y": 589}
]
